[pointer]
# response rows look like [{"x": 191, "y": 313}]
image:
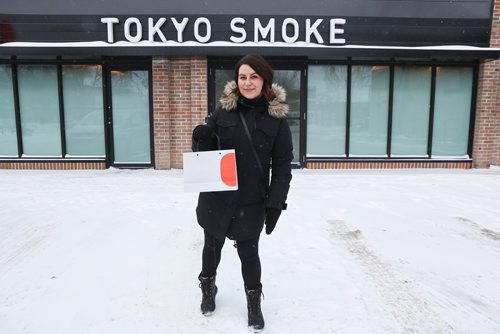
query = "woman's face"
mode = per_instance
[{"x": 249, "y": 82}]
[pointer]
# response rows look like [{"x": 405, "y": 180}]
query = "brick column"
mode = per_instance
[
  {"x": 161, "y": 112},
  {"x": 199, "y": 91},
  {"x": 495, "y": 42},
  {"x": 486, "y": 149},
  {"x": 179, "y": 102}
]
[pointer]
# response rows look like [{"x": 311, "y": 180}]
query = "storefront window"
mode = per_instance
[
  {"x": 369, "y": 133},
  {"x": 8, "y": 134},
  {"x": 326, "y": 106},
  {"x": 452, "y": 111},
  {"x": 369, "y": 110},
  {"x": 83, "y": 110},
  {"x": 39, "y": 106},
  {"x": 290, "y": 81},
  {"x": 411, "y": 107}
]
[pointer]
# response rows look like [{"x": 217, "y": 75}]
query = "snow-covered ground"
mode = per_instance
[{"x": 359, "y": 251}]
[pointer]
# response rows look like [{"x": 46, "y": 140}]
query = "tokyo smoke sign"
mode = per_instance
[{"x": 324, "y": 31}]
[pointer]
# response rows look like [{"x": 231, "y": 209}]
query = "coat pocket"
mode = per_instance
[
  {"x": 226, "y": 129},
  {"x": 264, "y": 137}
]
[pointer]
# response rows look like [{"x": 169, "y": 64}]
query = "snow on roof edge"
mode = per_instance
[{"x": 230, "y": 44}]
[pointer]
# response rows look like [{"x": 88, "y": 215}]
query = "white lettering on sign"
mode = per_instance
[
  {"x": 109, "y": 21},
  {"x": 197, "y": 23},
  {"x": 263, "y": 31},
  {"x": 154, "y": 29},
  {"x": 295, "y": 26},
  {"x": 313, "y": 30},
  {"x": 179, "y": 26},
  {"x": 138, "y": 27},
  {"x": 334, "y": 31},
  {"x": 238, "y": 30},
  {"x": 201, "y": 30}
]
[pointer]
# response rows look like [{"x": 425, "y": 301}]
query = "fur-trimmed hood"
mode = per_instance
[{"x": 278, "y": 108}]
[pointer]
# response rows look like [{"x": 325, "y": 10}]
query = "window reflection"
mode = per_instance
[
  {"x": 8, "y": 133},
  {"x": 452, "y": 111},
  {"x": 411, "y": 110},
  {"x": 326, "y": 110},
  {"x": 83, "y": 110},
  {"x": 39, "y": 107},
  {"x": 369, "y": 110}
]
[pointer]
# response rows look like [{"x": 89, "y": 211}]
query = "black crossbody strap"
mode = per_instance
[{"x": 261, "y": 170}]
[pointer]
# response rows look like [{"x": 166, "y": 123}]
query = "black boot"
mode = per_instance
[
  {"x": 208, "y": 292},
  {"x": 255, "y": 317}
]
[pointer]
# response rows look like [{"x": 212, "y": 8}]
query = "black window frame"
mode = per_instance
[
  {"x": 126, "y": 64},
  {"x": 278, "y": 63},
  {"x": 106, "y": 63},
  {"x": 58, "y": 62},
  {"x": 392, "y": 63}
]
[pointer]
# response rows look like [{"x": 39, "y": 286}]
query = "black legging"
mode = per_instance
[{"x": 248, "y": 251}]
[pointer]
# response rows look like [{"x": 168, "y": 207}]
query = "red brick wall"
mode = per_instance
[
  {"x": 388, "y": 164},
  {"x": 51, "y": 165},
  {"x": 486, "y": 149},
  {"x": 161, "y": 116},
  {"x": 495, "y": 42},
  {"x": 179, "y": 103}
]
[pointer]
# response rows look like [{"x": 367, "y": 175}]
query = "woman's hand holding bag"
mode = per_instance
[{"x": 203, "y": 138}]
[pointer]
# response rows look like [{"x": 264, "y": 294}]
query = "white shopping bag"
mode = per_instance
[{"x": 210, "y": 171}]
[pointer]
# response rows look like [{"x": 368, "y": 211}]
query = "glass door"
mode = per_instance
[
  {"x": 129, "y": 117},
  {"x": 290, "y": 81},
  {"x": 291, "y": 77}
]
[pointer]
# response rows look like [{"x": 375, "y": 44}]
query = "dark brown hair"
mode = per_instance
[{"x": 262, "y": 68}]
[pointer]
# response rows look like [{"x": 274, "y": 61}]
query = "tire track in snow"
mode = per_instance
[
  {"x": 480, "y": 230},
  {"x": 26, "y": 243},
  {"x": 412, "y": 313},
  {"x": 473, "y": 309}
]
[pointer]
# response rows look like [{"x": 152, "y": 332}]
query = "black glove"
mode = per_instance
[
  {"x": 272, "y": 216},
  {"x": 203, "y": 133}
]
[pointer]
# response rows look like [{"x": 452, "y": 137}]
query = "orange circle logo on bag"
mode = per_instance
[{"x": 228, "y": 169}]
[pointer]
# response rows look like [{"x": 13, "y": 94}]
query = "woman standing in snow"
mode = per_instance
[{"x": 252, "y": 121}]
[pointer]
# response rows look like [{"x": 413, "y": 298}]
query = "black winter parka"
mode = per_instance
[{"x": 240, "y": 214}]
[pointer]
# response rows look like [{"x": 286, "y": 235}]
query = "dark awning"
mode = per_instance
[{"x": 432, "y": 29}]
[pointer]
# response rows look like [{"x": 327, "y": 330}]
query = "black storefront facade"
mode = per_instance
[{"x": 371, "y": 84}]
